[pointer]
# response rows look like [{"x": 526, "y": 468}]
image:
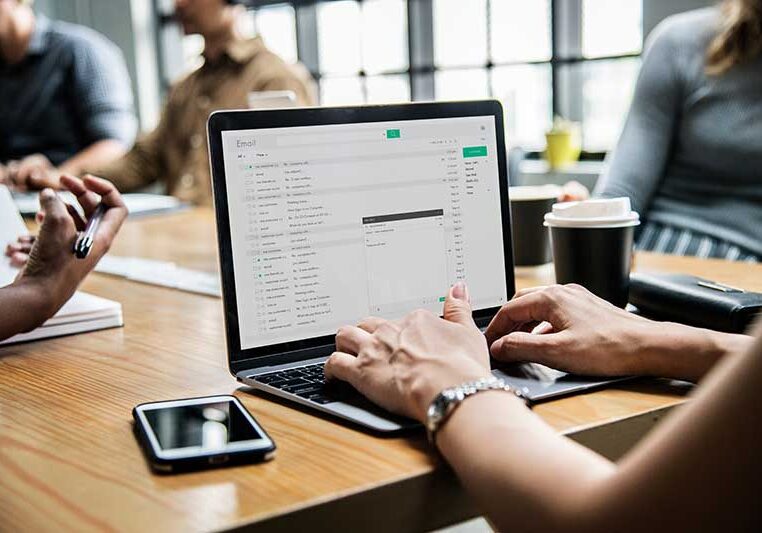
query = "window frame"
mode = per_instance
[{"x": 566, "y": 52}]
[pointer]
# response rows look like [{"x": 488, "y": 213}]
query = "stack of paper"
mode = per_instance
[
  {"x": 161, "y": 273},
  {"x": 11, "y": 227},
  {"x": 137, "y": 203},
  {"x": 83, "y": 312}
]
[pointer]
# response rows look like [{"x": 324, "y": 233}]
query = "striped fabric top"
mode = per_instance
[{"x": 656, "y": 237}]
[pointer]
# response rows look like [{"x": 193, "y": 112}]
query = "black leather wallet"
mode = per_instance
[{"x": 694, "y": 301}]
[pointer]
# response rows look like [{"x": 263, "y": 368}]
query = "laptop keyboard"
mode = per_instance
[{"x": 309, "y": 382}]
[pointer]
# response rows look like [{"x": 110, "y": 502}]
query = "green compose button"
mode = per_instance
[
  {"x": 441, "y": 298},
  {"x": 475, "y": 151},
  {"x": 392, "y": 134}
]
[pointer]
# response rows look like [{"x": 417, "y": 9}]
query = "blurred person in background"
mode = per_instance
[
  {"x": 175, "y": 153},
  {"x": 65, "y": 98},
  {"x": 690, "y": 154}
]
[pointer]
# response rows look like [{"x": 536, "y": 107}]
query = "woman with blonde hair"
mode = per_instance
[{"x": 690, "y": 154}]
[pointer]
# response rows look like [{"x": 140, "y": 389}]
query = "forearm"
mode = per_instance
[
  {"x": 683, "y": 352},
  {"x": 139, "y": 167},
  {"x": 96, "y": 155},
  {"x": 526, "y": 477},
  {"x": 30, "y": 306},
  {"x": 523, "y": 474}
]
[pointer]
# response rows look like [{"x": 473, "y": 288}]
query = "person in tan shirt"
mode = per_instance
[{"x": 175, "y": 152}]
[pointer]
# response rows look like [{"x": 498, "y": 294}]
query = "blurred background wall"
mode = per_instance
[{"x": 576, "y": 58}]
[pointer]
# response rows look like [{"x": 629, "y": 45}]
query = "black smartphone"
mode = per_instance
[{"x": 199, "y": 433}]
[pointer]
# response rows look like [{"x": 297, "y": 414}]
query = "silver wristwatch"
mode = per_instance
[{"x": 448, "y": 400}]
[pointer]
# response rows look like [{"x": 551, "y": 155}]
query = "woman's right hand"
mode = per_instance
[{"x": 568, "y": 328}]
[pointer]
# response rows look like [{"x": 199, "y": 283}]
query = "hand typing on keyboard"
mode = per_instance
[{"x": 403, "y": 365}]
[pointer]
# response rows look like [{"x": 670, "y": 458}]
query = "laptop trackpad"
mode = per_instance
[{"x": 540, "y": 382}]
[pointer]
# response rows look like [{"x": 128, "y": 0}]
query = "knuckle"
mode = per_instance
[
  {"x": 55, "y": 219},
  {"x": 523, "y": 292},
  {"x": 506, "y": 344},
  {"x": 365, "y": 360},
  {"x": 575, "y": 287},
  {"x": 555, "y": 290},
  {"x": 342, "y": 333},
  {"x": 382, "y": 329},
  {"x": 547, "y": 297},
  {"x": 420, "y": 314},
  {"x": 555, "y": 293},
  {"x": 552, "y": 345}
]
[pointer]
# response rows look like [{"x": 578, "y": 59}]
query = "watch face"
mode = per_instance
[
  {"x": 432, "y": 418},
  {"x": 436, "y": 411}
]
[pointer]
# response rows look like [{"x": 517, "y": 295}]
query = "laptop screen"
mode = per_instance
[{"x": 333, "y": 223}]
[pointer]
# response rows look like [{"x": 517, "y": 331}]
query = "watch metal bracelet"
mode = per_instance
[{"x": 445, "y": 403}]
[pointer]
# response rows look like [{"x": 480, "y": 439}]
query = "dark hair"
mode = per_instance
[{"x": 739, "y": 38}]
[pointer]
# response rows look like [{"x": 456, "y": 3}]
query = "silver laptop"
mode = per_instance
[{"x": 328, "y": 215}]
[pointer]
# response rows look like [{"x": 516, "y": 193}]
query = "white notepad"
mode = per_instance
[
  {"x": 138, "y": 204},
  {"x": 11, "y": 226},
  {"x": 161, "y": 273},
  {"x": 83, "y": 312}
]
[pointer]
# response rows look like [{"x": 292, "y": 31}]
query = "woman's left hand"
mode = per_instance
[{"x": 402, "y": 365}]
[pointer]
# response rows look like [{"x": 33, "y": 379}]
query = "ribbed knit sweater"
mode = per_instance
[{"x": 690, "y": 154}]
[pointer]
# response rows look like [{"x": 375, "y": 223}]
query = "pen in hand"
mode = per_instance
[{"x": 85, "y": 239}]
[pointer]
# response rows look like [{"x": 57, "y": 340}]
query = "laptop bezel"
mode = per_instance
[{"x": 283, "y": 353}]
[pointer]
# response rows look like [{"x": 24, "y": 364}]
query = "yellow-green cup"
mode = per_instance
[{"x": 563, "y": 148}]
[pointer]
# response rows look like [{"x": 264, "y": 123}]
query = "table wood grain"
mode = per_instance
[{"x": 69, "y": 460}]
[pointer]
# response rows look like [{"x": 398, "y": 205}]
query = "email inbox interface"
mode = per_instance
[{"x": 330, "y": 224}]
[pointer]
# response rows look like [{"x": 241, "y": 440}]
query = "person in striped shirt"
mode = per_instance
[{"x": 690, "y": 153}]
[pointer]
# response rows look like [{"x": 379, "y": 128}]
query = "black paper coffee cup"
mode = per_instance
[
  {"x": 592, "y": 246},
  {"x": 529, "y": 205}
]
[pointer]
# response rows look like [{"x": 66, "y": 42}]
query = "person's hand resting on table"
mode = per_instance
[
  {"x": 51, "y": 273},
  {"x": 34, "y": 172}
]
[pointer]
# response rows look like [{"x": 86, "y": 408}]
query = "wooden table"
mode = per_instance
[{"x": 69, "y": 461}]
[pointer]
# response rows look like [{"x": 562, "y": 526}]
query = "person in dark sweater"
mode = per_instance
[
  {"x": 65, "y": 98},
  {"x": 690, "y": 154}
]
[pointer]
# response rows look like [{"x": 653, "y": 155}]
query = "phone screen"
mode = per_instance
[{"x": 201, "y": 426}]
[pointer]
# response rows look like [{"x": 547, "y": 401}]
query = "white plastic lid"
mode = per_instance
[
  {"x": 534, "y": 192},
  {"x": 599, "y": 213}
]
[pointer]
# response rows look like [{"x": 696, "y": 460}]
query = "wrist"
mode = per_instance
[
  {"x": 47, "y": 293},
  {"x": 450, "y": 400},
  {"x": 483, "y": 412},
  {"x": 424, "y": 393},
  {"x": 684, "y": 352},
  {"x": 35, "y": 303}
]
